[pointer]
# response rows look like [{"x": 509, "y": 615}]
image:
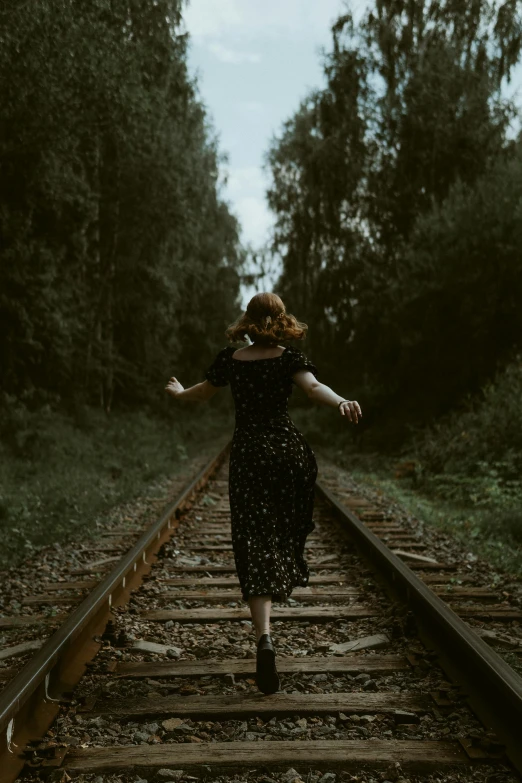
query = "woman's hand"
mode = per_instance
[
  {"x": 174, "y": 387},
  {"x": 351, "y": 409}
]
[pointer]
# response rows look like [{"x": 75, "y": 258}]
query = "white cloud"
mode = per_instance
[
  {"x": 246, "y": 190},
  {"x": 248, "y": 108},
  {"x": 255, "y": 219},
  {"x": 232, "y": 56},
  {"x": 212, "y": 19},
  {"x": 246, "y": 179}
]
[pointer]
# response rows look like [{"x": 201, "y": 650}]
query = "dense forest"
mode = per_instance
[
  {"x": 397, "y": 196},
  {"x": 119, "y": 257},
  {"x": 120, "y": 260}
]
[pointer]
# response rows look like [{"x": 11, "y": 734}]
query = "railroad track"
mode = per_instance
[{"x": 154, "y": 669}]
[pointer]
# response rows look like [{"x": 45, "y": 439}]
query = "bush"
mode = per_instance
[
  {"x": 56, "y": 477},
  {"x": 484, "y": 441}
]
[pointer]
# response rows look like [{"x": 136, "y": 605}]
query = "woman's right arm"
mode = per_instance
[
  {"x": 319, "y": 392},
  {"x": 199, "y": 393}
]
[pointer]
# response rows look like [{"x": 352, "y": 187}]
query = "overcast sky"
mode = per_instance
[{"x": 255, "y": 60}]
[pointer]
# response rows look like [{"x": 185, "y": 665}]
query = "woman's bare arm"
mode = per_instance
[
  {"x": 201, "y": 392},
  {"x": 319, "y": 392}
]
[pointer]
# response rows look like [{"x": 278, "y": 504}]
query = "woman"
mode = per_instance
[{"x": 272, "y": 467}]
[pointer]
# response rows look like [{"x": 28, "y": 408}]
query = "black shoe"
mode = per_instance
[{"x": 267, "y": 678}]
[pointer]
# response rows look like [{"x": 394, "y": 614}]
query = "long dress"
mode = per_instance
[{"x": 272, "y": 473}]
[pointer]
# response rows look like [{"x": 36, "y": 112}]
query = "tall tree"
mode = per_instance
[
  {"x": 412, "y": 106},
  {"x": 115, "y": 241}
]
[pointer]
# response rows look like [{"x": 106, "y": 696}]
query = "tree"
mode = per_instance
[
  {"x": 412, "y": 106},
  {"x": 116, "y": 245}
]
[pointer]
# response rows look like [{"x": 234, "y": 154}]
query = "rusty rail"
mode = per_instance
[
  {"x": 30, "y": 702},
  {"x": 493, "y": 689}
]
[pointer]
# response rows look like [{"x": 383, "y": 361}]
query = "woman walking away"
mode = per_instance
[{"x": 272, "y": 467}]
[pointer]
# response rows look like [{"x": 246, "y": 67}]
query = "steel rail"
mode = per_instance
[
  {"x": 492, "y": 688},
  {"x": 30, "y": 702}
]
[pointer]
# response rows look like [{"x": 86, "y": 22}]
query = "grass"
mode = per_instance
[
  {"x": 489, "y": 528},
  {"x": 477, "y": 502},
  {"x": 61, "y": 471}
]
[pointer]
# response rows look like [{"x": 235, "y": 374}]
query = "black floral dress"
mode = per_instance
[{"x": 272, "y": 473}]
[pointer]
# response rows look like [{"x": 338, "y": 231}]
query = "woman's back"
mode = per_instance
[{"x": 260, "y": 387}]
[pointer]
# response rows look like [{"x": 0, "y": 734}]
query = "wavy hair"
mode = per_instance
[{"x": 266, "y": 321}]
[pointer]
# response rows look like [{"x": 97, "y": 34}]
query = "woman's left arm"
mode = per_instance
[
  {"x": 201, "y": 392},
  {"x": 320, "y": 392}
]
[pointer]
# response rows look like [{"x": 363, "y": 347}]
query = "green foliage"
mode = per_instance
[
  {"x": 492, "y": 531},
  {"x": 452, "y": 314},
  {"x": 397, "y": 197},
  {"x": 119, "y": 258},
  {"x": 466, "y": 470},
  {"x": 475, "y": 456},
  {"x": 68, "y": 470}
]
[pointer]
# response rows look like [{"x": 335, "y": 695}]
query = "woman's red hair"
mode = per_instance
[{"x": 266, "y": 321}]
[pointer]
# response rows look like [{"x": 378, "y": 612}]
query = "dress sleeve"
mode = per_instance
[
  {"x": 218, "y": 372},
  {"x": 298, "y": 361}
]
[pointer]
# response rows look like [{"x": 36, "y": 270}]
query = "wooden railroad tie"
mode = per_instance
[
  {"x": 86, "y": 585},
  {"x": 328, "y": 565},
  {"x": 221, "y": 596},
  {"x": 232, "y": 581},
  {"x": 212, "y": 615},
  {"x": 348, "y": 664},
  {"x": 415, "y": 755},
  {"x": 228, "y": 547},
  {"x": 243, "y": 705},
  {"x": 36, "y": 619},
  {"x": 313, "y": 595}
]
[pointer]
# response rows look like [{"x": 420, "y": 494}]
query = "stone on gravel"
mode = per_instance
[
  {"x": 291, "y": 776},
  {"x": 140, "y": 736},
  {"x": 401, "y": 716},
  {"x": 152, "y": 728},
  {"x": 370, "y": 685},
  {"x": 364, "y": 643},
  {"x": 500, "y": 639},
  {"x": 140, "y": 645},
  {"x": 169, "y": 774},
  {"x": 328, "y": 777},
  {"x": 99, "y": 722},
  {"x": 183, "y": 728},
  {"x": 172, "y": 723},
  {"x": 71, "y": 740}
]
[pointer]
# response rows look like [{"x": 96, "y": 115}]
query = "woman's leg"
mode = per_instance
[
  {"x": 260, "y": 606},
  {"x": 267, "y": 677}
]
